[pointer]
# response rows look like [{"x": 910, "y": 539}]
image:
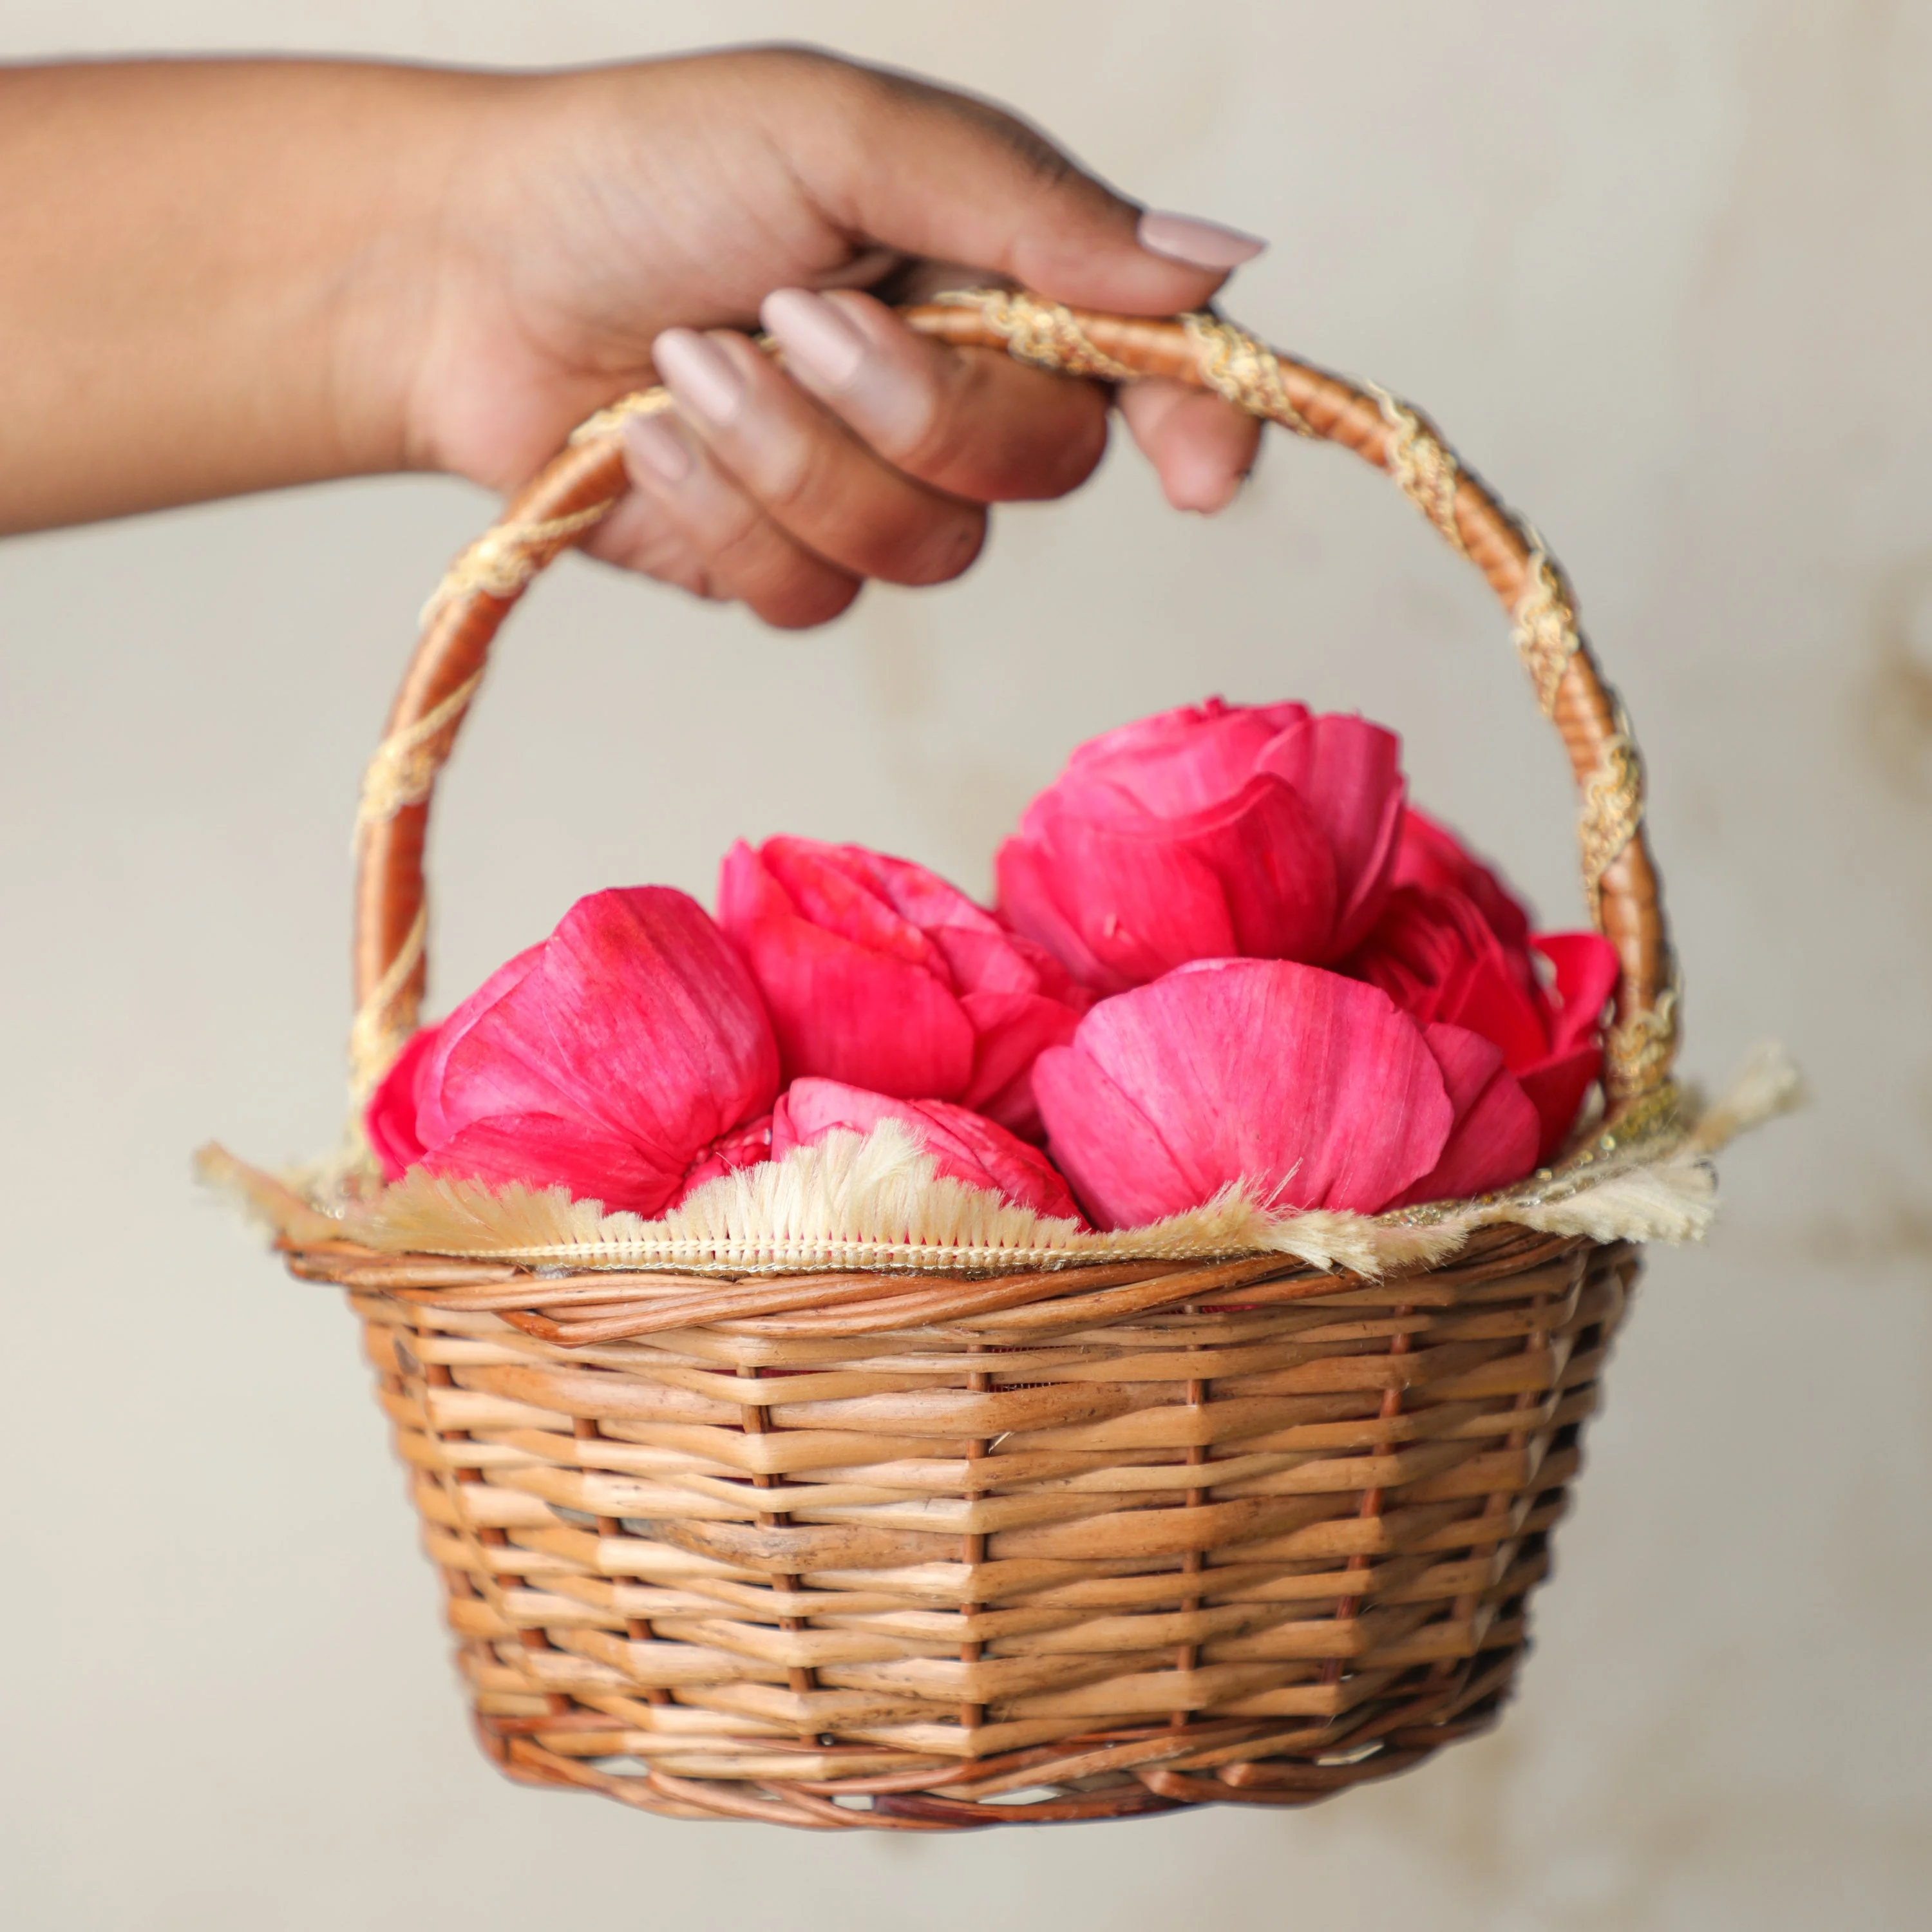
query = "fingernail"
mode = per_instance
[
  {"x": 888, "y": 403},
  {"x": 1201, "y": 245},
  {"x": 816, "y": 338},
  {"x": 699, "y": 373},
  {"x": 654, "y": 441}
]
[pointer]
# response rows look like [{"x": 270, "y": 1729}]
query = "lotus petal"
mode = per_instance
[
  {"x": 1310, "y": 1088},
  {"x": 1493, "y": 1140},
  {"x": 965, "y": 1145}
]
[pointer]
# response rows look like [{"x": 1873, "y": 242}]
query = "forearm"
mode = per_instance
[{"x": 209, "y": 273}]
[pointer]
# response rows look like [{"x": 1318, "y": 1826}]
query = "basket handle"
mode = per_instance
[{"x": 582, "y": 484}]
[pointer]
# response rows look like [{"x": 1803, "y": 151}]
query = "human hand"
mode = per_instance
[
  {"x": 602, "y": 229},
  {"x": 218, "y": 276}
]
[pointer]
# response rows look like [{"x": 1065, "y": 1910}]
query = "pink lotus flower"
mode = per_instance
[
  {"x": 1455, "y": 945},
  {"x": 878, "y": 973},
  {"x": 965, "y": 1145},
  {"x": 626, "y": 1052},
  {"x": 1312, "y": 1089},
  {"x": 1262, "y": 831}
]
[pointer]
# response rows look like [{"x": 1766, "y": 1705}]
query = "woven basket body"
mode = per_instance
[
  {"x": 919, "y": 1552},
  {"x": 1260, "y": 1542}
]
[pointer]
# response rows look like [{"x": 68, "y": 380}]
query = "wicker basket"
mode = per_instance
[{"x": 861, "y": 1549}]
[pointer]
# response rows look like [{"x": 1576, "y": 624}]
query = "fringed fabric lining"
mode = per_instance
[{"x": 876, "y": 1201}]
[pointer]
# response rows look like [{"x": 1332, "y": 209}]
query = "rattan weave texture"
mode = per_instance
[{"x": 1255, "y": 1545}]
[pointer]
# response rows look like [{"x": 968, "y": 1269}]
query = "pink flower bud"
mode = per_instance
[
  {"x": 878, "y": 973},
  {"x": 1228, "y": 830},
  {"x": 610, "y": 1060},
  {"x": 1312, "y": 1089}
]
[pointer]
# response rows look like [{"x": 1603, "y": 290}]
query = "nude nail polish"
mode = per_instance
[
  {"x": 699, "y": 373},
  {"x": 654, "y": 442},
  {"x": 818, "y": 340},
  {"x": 1201, "y": 245}
]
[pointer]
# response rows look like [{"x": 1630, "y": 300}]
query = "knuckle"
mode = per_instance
[
  {"x": 942, "y": 446},
  {"x": 944, "y": 551},
  {"x": 806, "y": 599},
  {"x": 986, "y": 445},
  {"x": 735, "y": 529},
  {"x": 745, "y": 559},
  {"x": 638, "y": 539},
  {"x": 1072, "y": 458},
  {"x": 763, "y": 568},
  {"x": 795, "y": 473},
  {"x": 941, "y": 441},
  {"x": 799, "y": 61}
]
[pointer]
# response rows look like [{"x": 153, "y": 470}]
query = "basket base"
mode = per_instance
[{"x": 1150, "y": 1787}]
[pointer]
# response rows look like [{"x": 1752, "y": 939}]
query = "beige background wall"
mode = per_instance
[{"x": 1663, "y": 268}]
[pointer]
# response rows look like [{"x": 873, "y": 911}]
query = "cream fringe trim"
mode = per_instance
[{"x": 875, "y": 1202}]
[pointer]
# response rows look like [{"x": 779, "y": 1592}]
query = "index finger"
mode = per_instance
[
  {"x": 971, "y": 422},
  {"x": 942, "y": 175}
]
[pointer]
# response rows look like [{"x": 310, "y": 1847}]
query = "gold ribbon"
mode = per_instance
[
  {"x": 384, "y": 1021},
  {"x": 1044, "y": 333},
  {"x": 1423, "y": 465},
  {"x": 1243, "y": 370},
  {"x": 506, "y": 557},
  {"x": 403, "y": 770},
  {"x": 1612, "y": 804},
  {"x": 1637, "y": 1055},
  {"x": 1544, "y": 625}
]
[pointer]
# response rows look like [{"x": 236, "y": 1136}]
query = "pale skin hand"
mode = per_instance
[{"x": 220, "y": 277}]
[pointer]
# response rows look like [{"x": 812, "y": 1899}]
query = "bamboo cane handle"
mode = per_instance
[{"x": 582, "y": 485}]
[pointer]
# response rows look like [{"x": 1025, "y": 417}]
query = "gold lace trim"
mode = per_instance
[
  {"x": 505, "y": 557},
  {"x": 1544, "y": 626},
  {"x": 403, "y": 772},
  {"x": 1041, "y": 332},
  {"x": 1423, "y": 465},
  {"x": 1637, "y": 1055},
  {"x": 1652, "y": 1123},
  {"x": 1243, "y": 370},
  {"x": 386, "y": 1018},
  {"x": 1612, "y": 804}
]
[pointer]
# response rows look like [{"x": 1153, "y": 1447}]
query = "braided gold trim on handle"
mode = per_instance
[
  {"x": 1613, "y": 807},
  {"x": 403, "y": 770},
  {"x": 1044, "y": 333},
  {"x": 1423, "y": 465},
  {"x": 1637, "y": 1055},
  {"x": 1243, "y": 370},
  {"x": 1544, "y": 626},
  {"x": 507, "y": 556},
  {"x": 379, "y": 1031}
]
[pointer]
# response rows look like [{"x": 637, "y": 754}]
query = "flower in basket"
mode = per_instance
[
  {"x": 626, "y": 1058},
  {"x": 879, "y": 974},
  {"x": 965, "y": 1145},
  {"x": 1453, "y": 944},
  {"x": 1262, "y": 830},
  {"x": 1312, "y": 1089}
]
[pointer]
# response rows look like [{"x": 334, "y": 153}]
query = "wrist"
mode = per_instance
[{"x": 393, "y": 259}]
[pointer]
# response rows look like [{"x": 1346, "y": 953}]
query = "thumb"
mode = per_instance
[{"x": 899, "y": 164}]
